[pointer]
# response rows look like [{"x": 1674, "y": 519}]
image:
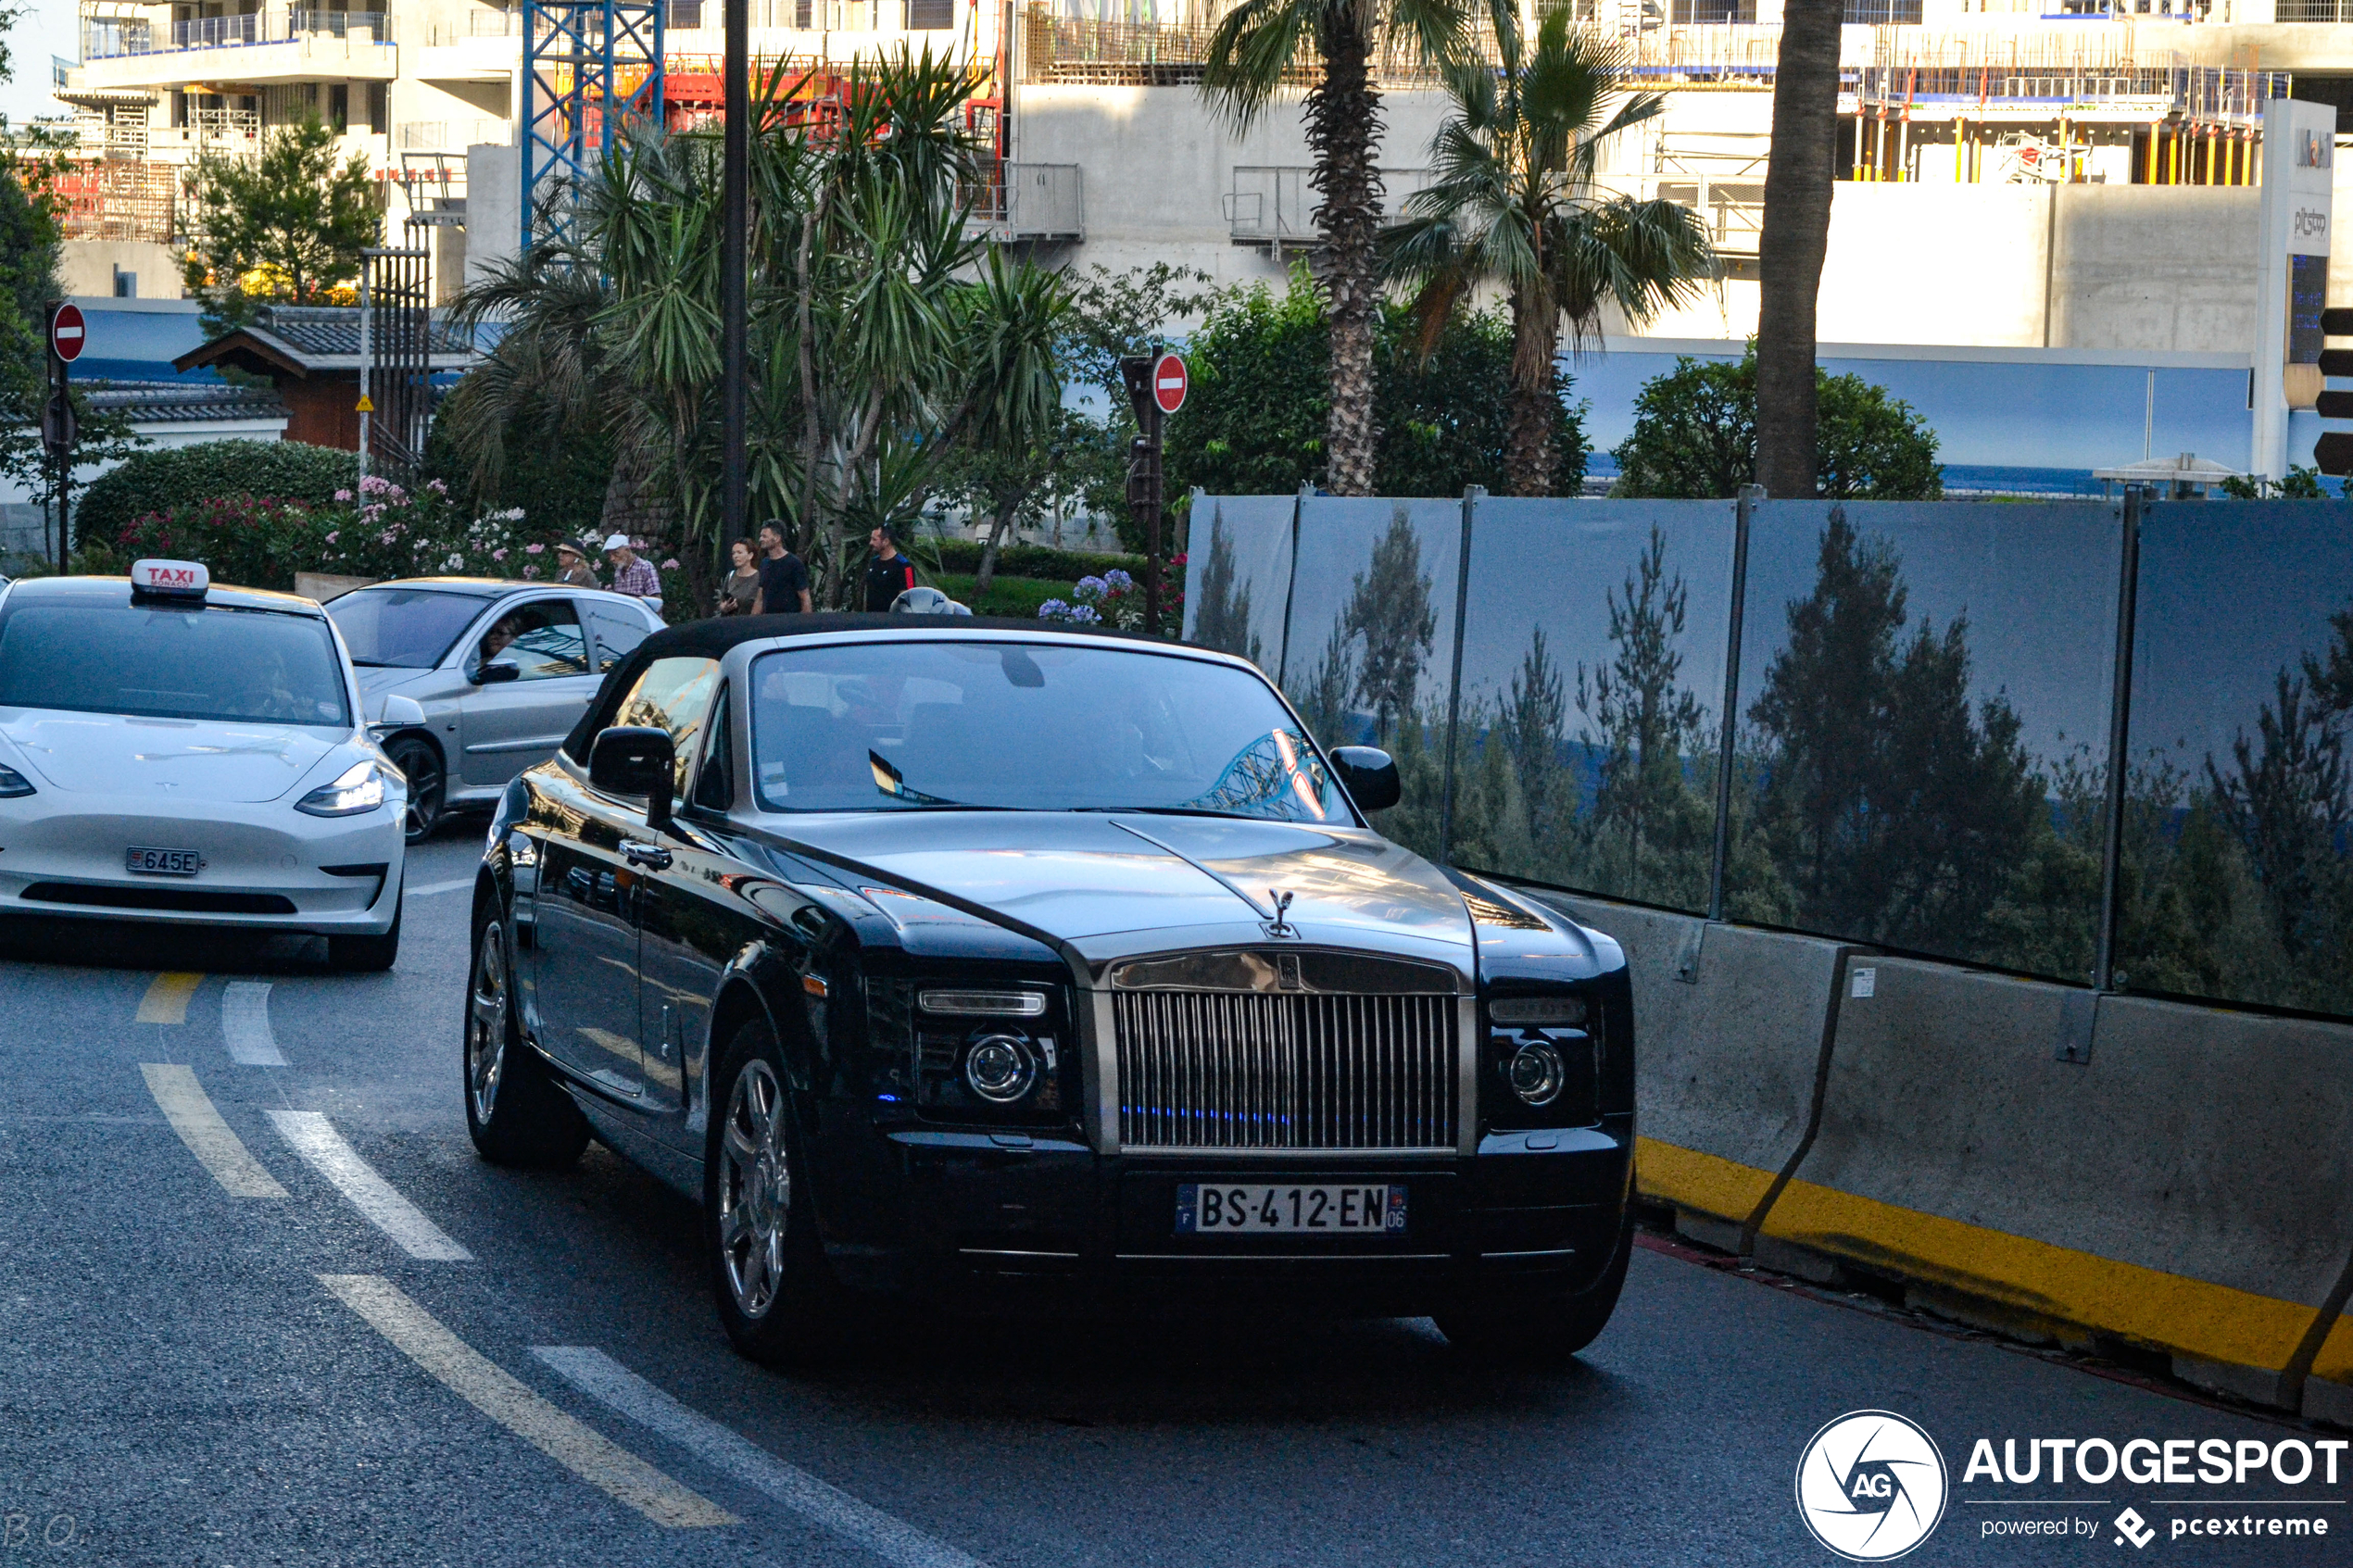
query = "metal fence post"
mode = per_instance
[
  {"x": 1727, "y": 720},
  {"x": 1471, "y": 497},
  {"x": 2120, "y": 720}
]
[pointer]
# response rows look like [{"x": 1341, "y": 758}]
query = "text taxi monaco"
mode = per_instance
[
  {"x": 941, "y": 954},
  {"x": 171, "y": 751}
]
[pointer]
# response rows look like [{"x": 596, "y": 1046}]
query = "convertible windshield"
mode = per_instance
[
  {"x": 219, "y": 664},
  {"x": 1028, "y": 726},
  {"x": 410, "y": 628}
]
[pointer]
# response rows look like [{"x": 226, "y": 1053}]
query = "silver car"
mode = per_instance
[{"x": 502, "y": 672}]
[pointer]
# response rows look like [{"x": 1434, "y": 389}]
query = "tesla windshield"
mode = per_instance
[
  {"x": 406, "y": 628},
  {"x": 220, "y": 664},
  {"x": 1030, "y": 726}
]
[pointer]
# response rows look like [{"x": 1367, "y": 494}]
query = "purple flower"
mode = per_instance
[
  {"x": 530, "y": 571},
  {"x": 1085, "y": 614},
  {"x": 1090, "y": 586},
  {"x": 1054, "y": 609},
  {"x": 343, "y": 494},
  {"x": 331, "y": 537},
  {"x": 1118, "y": 581},
  {"x": 671, "y": 565},
  {"x": 535, "y": 550},
  {"x": 498, "y": 555}
]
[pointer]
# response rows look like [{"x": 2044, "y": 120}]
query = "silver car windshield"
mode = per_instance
[
  {"x": 215, "y": 664},
  {"x": 404, "y": 628},
  {"x": 1027, "y": 726}
]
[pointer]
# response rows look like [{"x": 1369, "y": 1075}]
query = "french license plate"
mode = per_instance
[
  {"x": 1243, "y": 1209},
  {"x": 163, "y": 862}
]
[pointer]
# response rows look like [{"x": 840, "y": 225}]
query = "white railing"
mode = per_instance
[
  {"x": 1033, "y": 201},
  {"x": 448, "y": 135}
]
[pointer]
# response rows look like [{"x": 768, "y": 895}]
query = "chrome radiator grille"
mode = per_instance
[{"x": 1255, "y": 1069}]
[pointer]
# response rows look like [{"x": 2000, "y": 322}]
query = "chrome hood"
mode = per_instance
[
  {"x": 166, "y": 760},
  {"x": 1102, "y": 887}
]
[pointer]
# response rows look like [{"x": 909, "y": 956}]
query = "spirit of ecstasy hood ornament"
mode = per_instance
[{"x": 1280, "y": 925}]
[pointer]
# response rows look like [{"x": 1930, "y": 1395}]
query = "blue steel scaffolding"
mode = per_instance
[{"x": 586, "y": 65}]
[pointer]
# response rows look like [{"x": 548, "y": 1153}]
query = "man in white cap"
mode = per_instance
[{"x": 632, "y": 576}]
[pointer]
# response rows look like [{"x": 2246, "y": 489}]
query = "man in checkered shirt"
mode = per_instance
[{"x": 631, "y": 575}]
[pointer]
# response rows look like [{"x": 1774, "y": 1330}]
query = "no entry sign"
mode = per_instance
[
  {"x": 68, "y": 332},
  {"x": 1169, "y": 383}
]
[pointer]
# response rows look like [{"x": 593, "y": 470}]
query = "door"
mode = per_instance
[
  {"x": 584, "y": 945},
  {"x": 684, "y": 938},
  {"x": 505, "y": 727},
  {"x": 618, "y": 628}
]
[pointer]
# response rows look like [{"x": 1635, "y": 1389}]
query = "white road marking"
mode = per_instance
[
  {"x": 245, "y": 1023},
  {"x": 497, "y": 1394},
  {"x": 429, "y": 890},
  {"x": 315, "y": 1138},
  {"x": 607, "y": 1381},
  {"x": 220, "y": 1151}
]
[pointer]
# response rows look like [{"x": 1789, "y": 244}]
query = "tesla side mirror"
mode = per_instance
[
  {"x": 1369, "y": 775},
  {"x": 493, "y": 672},
  {"x": 635, "y": 760},
  {"x": 398, "y": 712}
]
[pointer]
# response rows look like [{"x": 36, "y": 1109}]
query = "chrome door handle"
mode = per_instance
[{"x": 652, "y": 855}]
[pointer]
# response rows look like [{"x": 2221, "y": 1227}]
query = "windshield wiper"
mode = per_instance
[
  {"x": 373, "y": 664},
  {"x": 1178, "y": 811}
]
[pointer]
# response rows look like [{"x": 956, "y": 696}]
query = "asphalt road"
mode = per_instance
[{"x": 396, "y": 1354}]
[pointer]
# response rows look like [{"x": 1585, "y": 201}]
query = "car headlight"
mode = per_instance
[
  {"x": 361, "y": 788},
  {"x": 13, "y": 783}
]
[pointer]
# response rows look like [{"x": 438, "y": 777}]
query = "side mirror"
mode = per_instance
[
  {"x": 398, "y": 712},
  {"x": 1369, "y": 774},
  {"x": 495, "y": 671},
  {"x": 634, "y": 760}
]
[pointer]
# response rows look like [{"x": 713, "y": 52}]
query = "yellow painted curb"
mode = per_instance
[{"x": 2171, "y": 1312}]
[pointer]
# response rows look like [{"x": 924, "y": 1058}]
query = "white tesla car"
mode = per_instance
[{"x": 173, "y": 752}]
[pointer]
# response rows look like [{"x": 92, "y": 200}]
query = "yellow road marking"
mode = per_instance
[
  {"x": 189, "y": 1109},
  {"x": 2035, "y": 1277},
  {"x": 167, "y": 998},
  {"x": 586, "y": 1453}
]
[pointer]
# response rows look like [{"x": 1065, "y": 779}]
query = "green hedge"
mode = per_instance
[
  {"x": 181, "y": 476},
  {"x": 962, "y": 556}
]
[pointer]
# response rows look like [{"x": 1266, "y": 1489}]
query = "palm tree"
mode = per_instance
[
  {"x": 1514, "y": 203},
  {"x": 1797, "y": 236},
  {"x": 862, "y": 263},
  {"x": 1259, "y": 47}
]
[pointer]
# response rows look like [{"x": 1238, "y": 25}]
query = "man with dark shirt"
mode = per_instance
[
  {"x": 783, "y": 580},
  {"x": 888, "y": 573}
]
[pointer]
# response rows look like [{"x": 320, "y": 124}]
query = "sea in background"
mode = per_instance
[{"x": 1962, "y": 481}]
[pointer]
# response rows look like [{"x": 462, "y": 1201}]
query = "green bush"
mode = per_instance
[
  {"x": 963, "y": 555},
  {"x": 180, "y": 476},
  {"x": 1695, "y": 437}
]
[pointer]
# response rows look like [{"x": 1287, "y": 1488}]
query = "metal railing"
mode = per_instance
[
  {"x": 448, "y": 135},
  {"x": 113, "y": 38},
  {"x": 1275, "y": 204},
  {"x": 1043, "y": 202}
]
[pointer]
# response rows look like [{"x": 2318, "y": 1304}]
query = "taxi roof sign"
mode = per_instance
[{"x": 169, "y": 580}]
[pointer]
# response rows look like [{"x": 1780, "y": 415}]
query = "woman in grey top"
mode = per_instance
[
  {"x": 572, "y": 566},
  {"x": 742, "y": 588}
]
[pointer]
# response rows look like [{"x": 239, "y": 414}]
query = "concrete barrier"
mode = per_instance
[{"x": 2188, "y": 1188}]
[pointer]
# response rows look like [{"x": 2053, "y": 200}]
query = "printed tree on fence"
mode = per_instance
[{"x": 1222, "y": 620}]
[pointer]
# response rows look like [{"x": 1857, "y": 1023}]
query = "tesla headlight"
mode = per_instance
[
  {"x": 361, "y": 788},
  {"x": 13, "y": 783}
]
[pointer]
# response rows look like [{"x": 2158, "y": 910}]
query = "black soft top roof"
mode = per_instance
[{"x": 714, "y": 638}]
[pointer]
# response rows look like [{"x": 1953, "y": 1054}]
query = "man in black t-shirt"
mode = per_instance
[
  {"x": 783, "y": 580},
  {"x": 888, "y": 573}
]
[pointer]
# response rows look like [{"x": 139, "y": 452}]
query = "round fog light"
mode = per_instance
[
  {"x": 998, "y": 1069},
  {"x": 1536, "y": 1074}
]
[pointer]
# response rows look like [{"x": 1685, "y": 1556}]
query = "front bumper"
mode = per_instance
[
  {"x": 265, "y": 864},
  {"x": 989, "y": 1212}
]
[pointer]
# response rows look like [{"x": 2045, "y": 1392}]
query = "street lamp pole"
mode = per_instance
[{"x": 734, "y": 245}]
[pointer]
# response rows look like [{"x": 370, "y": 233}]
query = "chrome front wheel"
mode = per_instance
[
  {"x": 755, "y": 1191},
  {"x": 486, "y": 1023}
]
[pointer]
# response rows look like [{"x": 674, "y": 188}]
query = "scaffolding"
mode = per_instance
[{"x": 586, "y": 65}]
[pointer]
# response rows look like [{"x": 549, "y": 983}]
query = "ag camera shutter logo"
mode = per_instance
[{"x": 1871, "y": 1486}]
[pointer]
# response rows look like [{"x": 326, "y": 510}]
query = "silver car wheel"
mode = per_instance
[
  {"x": 755, "y": 1190},
  {"x": 486, "y": 1005}
]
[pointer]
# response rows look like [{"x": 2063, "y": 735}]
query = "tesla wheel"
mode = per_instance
[
  {"x": 515, "y": 1111},
  {"x": 367, "y": 955},
  {"x": 428, "y": 785},
  {"x": 777, "y": 1297},
  {"x": 1538, "y": 1334}
]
